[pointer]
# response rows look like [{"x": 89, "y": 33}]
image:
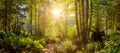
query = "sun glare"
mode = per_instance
[{"x": 56, "y": 11}]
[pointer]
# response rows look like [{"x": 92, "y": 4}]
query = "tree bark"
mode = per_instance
[
  {"x": 31, "y": 17},
  {"x": 76, "y": 16},
  {"x": 6, "y": 15}
]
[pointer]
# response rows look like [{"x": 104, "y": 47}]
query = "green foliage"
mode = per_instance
[
  {"x": 112, "y": 44},
  {"x": 72, "y": 33},
  {"x": 66, "y": 47},
  {"x": 15, "y": 43},
  {"x": 93, "y": 46}
]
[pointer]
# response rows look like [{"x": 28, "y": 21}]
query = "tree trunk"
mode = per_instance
[
  {"x": 90, "y": 16},
  {"x": 31, "y": 18},
  {"x": 83, "y": 33},
  {"x": 6, "y": 15},
  {"x": 76, "y": 16}
]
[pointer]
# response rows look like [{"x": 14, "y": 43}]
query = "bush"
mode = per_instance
[
  {"x": 66, "y": 47},
  {"x": 112, "y": 44},
  {"x": 93, "y": 47},
  {"x": 12, "y": 43}
]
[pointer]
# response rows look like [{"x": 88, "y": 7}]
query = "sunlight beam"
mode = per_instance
[{"x": 56, "y": 11}]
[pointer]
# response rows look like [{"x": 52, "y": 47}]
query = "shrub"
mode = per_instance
[
  {"x": 66, "y": 47},
  {"x": 112, "y": 44},
  {"x": 12, "y": 43}
]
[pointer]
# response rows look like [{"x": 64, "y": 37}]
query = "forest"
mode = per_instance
[{"x": 59, "y": 26}]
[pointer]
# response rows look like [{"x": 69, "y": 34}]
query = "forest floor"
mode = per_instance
[{"x": 50, "y": 48}]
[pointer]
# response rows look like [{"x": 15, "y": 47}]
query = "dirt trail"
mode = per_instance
[{"x": 50, "y": 48}]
